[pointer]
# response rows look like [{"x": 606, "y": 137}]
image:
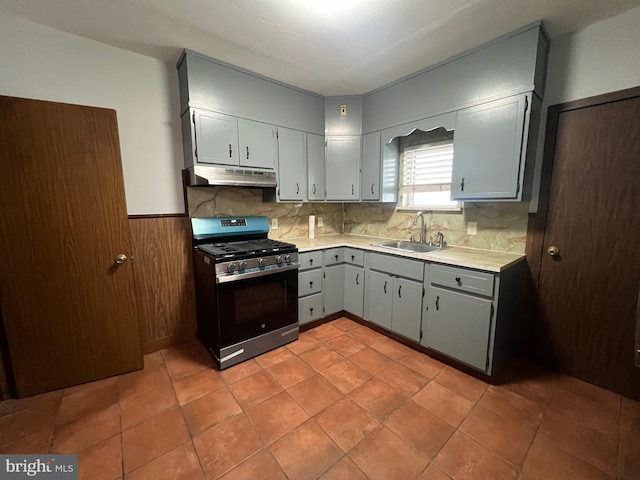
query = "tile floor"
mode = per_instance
[{"x": 342, "y": 402}]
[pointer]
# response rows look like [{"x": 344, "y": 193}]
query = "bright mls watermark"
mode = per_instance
[{"x": 50, "y": 467}]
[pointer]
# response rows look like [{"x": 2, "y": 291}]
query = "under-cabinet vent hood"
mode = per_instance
[{"x": 229, "y": 176}]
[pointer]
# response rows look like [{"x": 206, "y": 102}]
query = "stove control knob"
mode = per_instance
[
  {"x": 242, "y": 265},
  {"x": 287, "y": 258},
  {"x": 279, "y": 259},
  {"x": 231, "y": 267},
  {"x": 262, "y": 262}
]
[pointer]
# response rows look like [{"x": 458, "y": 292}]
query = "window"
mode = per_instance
[{"x": 425, "y": 175}]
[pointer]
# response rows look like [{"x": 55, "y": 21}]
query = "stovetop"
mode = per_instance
[{"x": 223, "y": 251}]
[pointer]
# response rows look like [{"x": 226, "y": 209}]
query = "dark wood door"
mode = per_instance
[
  {"x": 588, "y": 292},
  {"x": 69, "y": 311}
]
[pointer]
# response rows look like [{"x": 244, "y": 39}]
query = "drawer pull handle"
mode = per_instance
[
  {"x": 438, "y": 303},
  {"x": 399, "y": 291},
  {"x": 385, "y": 287},
  {"x": 458, "y": 281},
  {"x": 353, "y": 257},
  {"x": 310, "y": 284},
  {"x": 336, "y": 257},
  {"x": 357, "y": 279},
  {"x": 311, "y": 310},
  {"x": 311, "y": 261}
]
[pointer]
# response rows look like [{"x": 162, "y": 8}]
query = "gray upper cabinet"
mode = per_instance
[
  {"x": 489, "y": 150},
  {"x": 292, "y": 165},
  {"x": 214, "y": 138},
  {"x": 315, "y": 166},
  {"x": 258, "y": 146},
  {"x": 343, "y": 168},
  {"x": 371, "y": 166}
]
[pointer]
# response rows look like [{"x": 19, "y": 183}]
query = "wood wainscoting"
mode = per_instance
[{"x": 164, "y": 279}]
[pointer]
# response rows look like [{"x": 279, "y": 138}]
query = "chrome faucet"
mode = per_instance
[
  {"x": 440, "y": 239},
  {"x": 423, "y": 228}
]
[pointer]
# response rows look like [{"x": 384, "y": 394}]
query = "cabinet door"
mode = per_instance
[
  {"x": 333, "y": 289},
  {"x": 315, "y": 165},
  {"x": 258, "y": 144},
  {"x": 488, "y": 146},
  {"x": 458, "y": 325},
  {"x": 353, "y": 289},
  {"x": 379, "y": 287},
  {"x": 292, "y": 164},
  {"x": 216, "y": 138},
  {"x": 310, "y": 308},
  {"x": 343, "y": 168},
  {"x": 407, "y": 308},
  {"x": 371, "y": 157}
]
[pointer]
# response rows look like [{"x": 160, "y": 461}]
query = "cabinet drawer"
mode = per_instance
[
  {"x": 354, "y": 257},
  {"x": 333, "y": 256},
  {"x": 310, "y": 308},
  {"x": 309, "y": 282},
  {"x": 310, "y": 259},
  {"x": 472, "y": 281},
  {"x": 396, "y": 265}
]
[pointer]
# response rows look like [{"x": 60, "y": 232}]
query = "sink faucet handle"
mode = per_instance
[{"x": 440, "y": 236}]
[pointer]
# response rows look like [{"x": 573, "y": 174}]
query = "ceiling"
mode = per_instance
[{"x": 331, "y": 47}]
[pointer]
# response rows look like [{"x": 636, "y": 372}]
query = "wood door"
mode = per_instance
[
  {"x": 587, "y": 294},
  {"x": 70, "y": 312}
]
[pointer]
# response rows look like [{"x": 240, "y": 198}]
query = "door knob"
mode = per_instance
[
  {"x": 553, "y": 251},
  {"x": 121, "y": 258}
]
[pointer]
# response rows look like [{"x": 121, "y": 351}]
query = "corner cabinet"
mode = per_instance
[
  {"x": 292, "y": 165},
  {"x": 342, "y": 157},
  {"x": 490, "y": 149}
]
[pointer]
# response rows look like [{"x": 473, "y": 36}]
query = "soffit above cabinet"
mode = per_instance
[{"x": 328, "y": 47}]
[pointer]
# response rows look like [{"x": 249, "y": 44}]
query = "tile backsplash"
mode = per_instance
[{"x": 501, "y": 226}]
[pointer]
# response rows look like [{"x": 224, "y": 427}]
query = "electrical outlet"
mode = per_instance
[
  {"x": 472, "y": 228},
  {"x": 274, "y": 224},
  {"x": 320, "y": 222}
]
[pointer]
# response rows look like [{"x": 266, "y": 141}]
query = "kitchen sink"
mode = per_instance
[{"x": 407, "y": 246}]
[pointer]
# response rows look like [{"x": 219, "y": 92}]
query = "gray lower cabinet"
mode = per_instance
[
  {"x": 458, "y": 325},
  {"x": 292, "y": 165},
  {"x": 490, "y": 147},
  {"x": 333, "y": 289},
  {"x": 342, "y": 157},
  {"x": 354, "y": 289},
  {"x": 310, "y": 282},
  {"x": 393, "y": 297},
  {"x": 315, "y": 167}
]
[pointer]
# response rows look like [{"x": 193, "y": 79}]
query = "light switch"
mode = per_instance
[{"x": 472, "y": 228}]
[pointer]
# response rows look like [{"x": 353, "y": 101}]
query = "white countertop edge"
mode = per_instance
[{"x": 458, "y": 256}]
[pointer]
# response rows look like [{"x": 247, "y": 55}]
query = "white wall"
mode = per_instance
[
  {"x": 43, "y": 63},
  {"x": 601, "y": 58}
]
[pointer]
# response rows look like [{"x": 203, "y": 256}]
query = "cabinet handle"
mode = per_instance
[
  {"x": 462, "y": 185},
  {"x": 311, "y": 310},
  {"x": 357, "y": 278},
  {"x": 230, "y": 151},
  {"x": 353, "y": 257},
  {"x": 399, "y": 291},
  {"x": 310, "y": 284},
  {"x": 385, "y": 286},
  {"x": 247, "y": 153},
  {"x": 372, "y": 189},
  {"x": 314, "y": 188},
  {"x": 353, "y": 189},
  {"x": 311, "y": 261},
  {"x": 336, "y": 257},
  {"x": 438, "y": 303},
  {"x": 297, "y": 188},
  {"x": 458, "y": 281}
]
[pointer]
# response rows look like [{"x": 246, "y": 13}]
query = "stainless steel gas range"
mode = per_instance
[{"x": 246, "y": 288}]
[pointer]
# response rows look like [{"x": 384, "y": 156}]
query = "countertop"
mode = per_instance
[{"x": 460, "y": 256}]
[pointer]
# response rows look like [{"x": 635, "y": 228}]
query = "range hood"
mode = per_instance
[{"x": 229, "y": 176}]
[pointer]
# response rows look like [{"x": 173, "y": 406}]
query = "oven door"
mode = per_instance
[{"x": 250, "y": 307}]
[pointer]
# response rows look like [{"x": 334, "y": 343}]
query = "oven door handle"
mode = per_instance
[{"x": 236, "y": 277}]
